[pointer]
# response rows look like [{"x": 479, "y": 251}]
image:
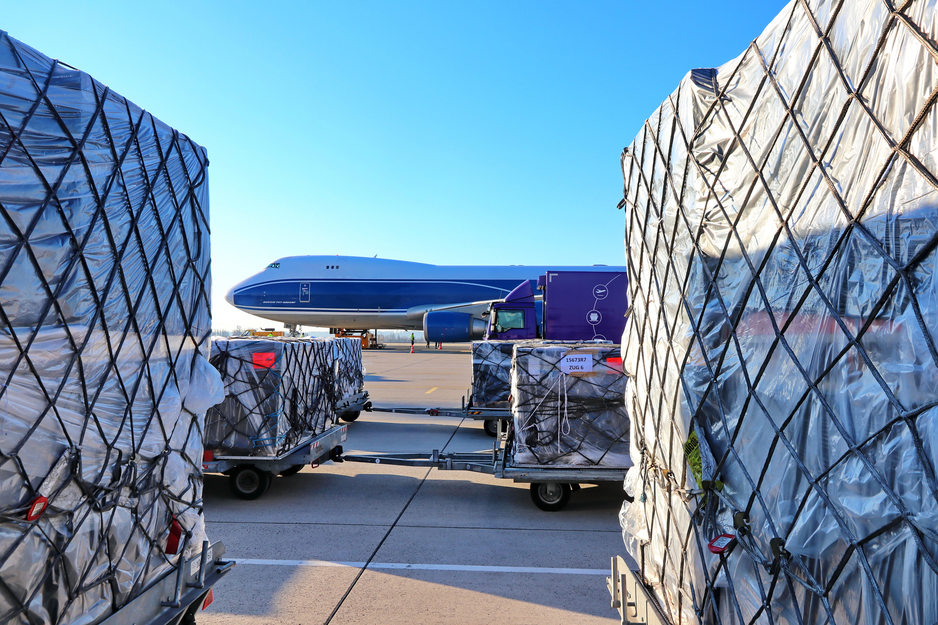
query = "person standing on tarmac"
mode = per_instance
[{"x": 411, "y": 341}]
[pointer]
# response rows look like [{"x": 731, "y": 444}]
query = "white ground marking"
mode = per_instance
[{"x": 426, "y": 567}]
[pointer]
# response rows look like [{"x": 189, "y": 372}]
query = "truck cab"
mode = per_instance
[
  {"x": 512, "y": 322},
  {"x": 573, "y": 306},
  {"x": 515, "y": 318}
]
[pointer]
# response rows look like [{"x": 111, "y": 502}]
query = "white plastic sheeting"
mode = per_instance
[
  {"x": 491, "y": 368},
  {"x": 567, "y": 406},
  {"x": 491, "y": 373},
  {"x": 780, "y": 231},
  {"x": 104, "y": 321},
  {"x": 349, "y": 369}
]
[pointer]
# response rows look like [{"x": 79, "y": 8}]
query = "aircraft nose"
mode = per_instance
[{"x": 229, "y": 296}]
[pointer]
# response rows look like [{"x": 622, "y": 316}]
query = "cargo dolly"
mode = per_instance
[
  {"x": 550, "y": 485},
  {"x": 251, "y": 476},
  {"x": 176, "y": 597}
]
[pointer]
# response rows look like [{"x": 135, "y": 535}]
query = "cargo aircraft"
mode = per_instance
[{"x": 356, "y": 293}]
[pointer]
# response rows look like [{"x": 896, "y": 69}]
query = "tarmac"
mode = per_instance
[{"x": 355, "y": 544}]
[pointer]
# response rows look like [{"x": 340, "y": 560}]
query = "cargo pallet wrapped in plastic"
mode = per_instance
[
  {"x": 491, "y": 373},
  {"x": 567, "y": 406},
  {"x": 349, "y": 371},
  {"x": 277, "y": 393},
  {"x": 104, "y": 325},
  {"x": 780, "y": 231},
  {"x": 491, "y": 369}
]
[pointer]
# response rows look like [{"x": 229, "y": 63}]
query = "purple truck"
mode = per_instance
[{"x": 577, "y": 306}]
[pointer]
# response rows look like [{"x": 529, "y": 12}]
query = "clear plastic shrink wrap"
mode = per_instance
[
  {"x": 563, "y": 418},
  {"x": 491, "y": 373},
  {"x": 780, "y": 232},
  {"x": 491, "y": 369},
  {"x": 104, "y": 325},
  {"x": 277, "y": 391},
  {"x": 349, "y": 370}
]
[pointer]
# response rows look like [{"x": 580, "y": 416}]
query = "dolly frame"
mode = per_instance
[{"x": 177, "y": 594}]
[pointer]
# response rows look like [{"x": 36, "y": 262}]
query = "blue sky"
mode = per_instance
[{"x": 440, "y": 132}]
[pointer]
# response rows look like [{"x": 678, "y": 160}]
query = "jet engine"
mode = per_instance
[{"x": 452, "y": 327}]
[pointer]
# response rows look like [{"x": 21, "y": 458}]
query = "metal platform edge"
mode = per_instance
[
  {"x": 358, "y": 401},
  {"x": 635, "y": 603},
  {"x": 167, "y": 600},
  {"x": 326, "y": 436}
]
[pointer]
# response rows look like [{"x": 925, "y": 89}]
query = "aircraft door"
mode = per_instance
[{"x": 304, "y": 292}]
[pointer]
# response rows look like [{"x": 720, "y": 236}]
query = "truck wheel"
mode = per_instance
[
  {"x": 292, "y": 470},
  {"x": 248, "y": 482},
  {"x": 351, "y": 416},
  {"x": 490, "y": 426},
  {"x": 550, "y": 496}
]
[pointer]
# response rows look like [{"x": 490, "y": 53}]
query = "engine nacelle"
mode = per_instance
[{"x": 452, "y": 327}]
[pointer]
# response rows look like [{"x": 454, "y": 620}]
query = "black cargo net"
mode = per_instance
[
  {"x": 781, "y": 226},
  {"x": 563, "y": 418},
  {"x": 104, "y": 308},
  {"x": 277, "y": 392}
]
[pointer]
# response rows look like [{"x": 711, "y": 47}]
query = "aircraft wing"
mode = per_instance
[{"x": 475, "y": 309}]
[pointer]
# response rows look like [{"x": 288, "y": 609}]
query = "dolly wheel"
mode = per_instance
[
  {"x": 248, "y": 482},
  {"x": 550, "y": 496},
  {"x": 351, "y": 416},
  {"x": 292, "y": 470},
  {"x": 490, "y": 426}
]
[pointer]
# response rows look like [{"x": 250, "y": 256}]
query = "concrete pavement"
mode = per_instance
[{"x": 354, "y": 543}]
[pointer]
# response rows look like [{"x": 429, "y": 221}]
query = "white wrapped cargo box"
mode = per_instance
[
  {"x": 491, "y": 369},
  {"x": 278, "y": 392},
  {"x": 349, "y": 369},
  {"x": 104, "y": 324},
  {"x": 567, "y": 406},
  {"x": 781, "y": 231},
  {"x": 491, "y": 373}
]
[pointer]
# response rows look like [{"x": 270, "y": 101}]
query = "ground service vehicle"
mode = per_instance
[{"x": 575, "y": 306}]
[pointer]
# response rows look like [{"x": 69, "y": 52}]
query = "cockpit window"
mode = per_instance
[{"x": 273, "y": 266}]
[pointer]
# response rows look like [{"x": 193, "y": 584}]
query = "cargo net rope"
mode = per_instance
[
  {"x": 104, "y": 320},
  {"x": 780, "y": 234},
  {"x": 277, "y": 392},
  {"x": 568, "y": 418}
]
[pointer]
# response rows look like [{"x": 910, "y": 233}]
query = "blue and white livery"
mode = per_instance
[{"x": 358, "y": 293}]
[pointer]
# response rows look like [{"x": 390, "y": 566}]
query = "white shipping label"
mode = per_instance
[{"x": 577, "y": 363}]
